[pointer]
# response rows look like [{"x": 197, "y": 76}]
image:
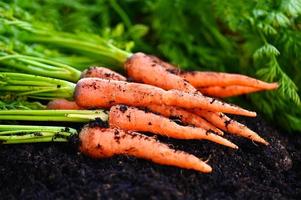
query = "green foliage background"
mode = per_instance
[{"x": 260, "y": 38}]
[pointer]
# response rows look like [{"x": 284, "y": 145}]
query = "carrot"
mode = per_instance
[
  {"x": 131, "y": 118},
  {"x": 206, "y": 79},
  {"x": 167, "y": 111},
  {"x": 63, "y": 104},
  {"x": 95, "y": 92},
  {"x": 228, "y": 91},
  {"x": 102, "y": 72},
  {"x": 223, "y": 122},
  {"x": 150, "y": 70},
  {"x": 185, "y": 116},
  {"x": 106, "y": 142}
]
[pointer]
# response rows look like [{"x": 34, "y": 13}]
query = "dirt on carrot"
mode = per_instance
[
  {"x": 184, "y": 116},
  {"x": 94, "y": 92},
  {"x": 225, "y": 123},
  {"x": 102, "y": 72},
  {"x": 131, "y": 118},
  {"x": 106, "y": 142}
]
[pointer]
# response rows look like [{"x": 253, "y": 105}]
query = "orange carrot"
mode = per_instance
[
  {"x": 206, "y": 79},
  {"x": 185, "y": 116},
  {"x": 131, "y": 118},
  {"x": 63, "y": 104},
  {"x": 147, "y": 69},
  {"x": 228, "y": 91},
  {"x": 95, "y": 92},
  {"x": 106, "y": 142},
  {"x": 166, "y": 65},
  {"x": 102, "y": 72},
  {"x": 223, "y": 122}
]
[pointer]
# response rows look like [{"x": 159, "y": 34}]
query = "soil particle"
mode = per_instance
[{"x": 56, "y": 171}]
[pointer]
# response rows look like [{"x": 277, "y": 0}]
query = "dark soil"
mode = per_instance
[{"x": 55, "y": 171}]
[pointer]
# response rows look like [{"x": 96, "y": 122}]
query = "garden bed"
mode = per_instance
[{"x": 52, "y": 171}]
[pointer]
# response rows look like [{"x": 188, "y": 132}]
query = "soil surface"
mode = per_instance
[{"x": 56, "y": 171}]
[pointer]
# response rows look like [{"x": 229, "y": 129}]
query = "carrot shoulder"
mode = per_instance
[
  {"x": 228, "y": 91},
  {"x": 102, "y": 72},
  {"x": 206, "y": 79},
  {"x": 131, "y": 118},
  {"x": 94, "y": 92},
  {"x": 106, "y": 142},
  {"x": 223, "y": 122}
]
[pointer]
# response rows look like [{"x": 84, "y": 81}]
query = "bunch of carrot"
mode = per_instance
[{"x": 162, "y": 92}]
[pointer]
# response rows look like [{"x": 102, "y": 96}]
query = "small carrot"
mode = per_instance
[
  {"x": 131, "y": 118},
  {"x": 227, "y": 91},
  {"x": 95, "y": 92},
  {"x": 185, "y": 116},
  {"x": 223, "y": 122},
  {"x": 62, "y": 104},
  {"x": 206, "y": 79},
  {"x": 106, "y": 142},
  {"x": 102, "y": 72}
]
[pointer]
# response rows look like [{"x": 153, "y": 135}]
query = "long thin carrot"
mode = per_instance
[
  {"x": 63, "y": 104},
  {"x": 95, "y": 92},
  {"x": 131, "y": 118},
  {"x": 185, "y": 116},
  {"x": 206, "y": 79},
  {"x": 228, "y": 91},
  {"x": 106, "y": 142},
  {"x": 223, "y": 122},
  {"x": 102, "y": 72}
]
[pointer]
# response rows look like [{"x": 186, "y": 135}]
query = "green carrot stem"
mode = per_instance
[
  {"x": 34, "y": 86},
  {"x": 36, "y": 140},
  {"x": 78, "y": 45},
  {"x": 14, "y": 134},
  {"x": 53, "y": 115},
  {"x": 40, "y": 66}
]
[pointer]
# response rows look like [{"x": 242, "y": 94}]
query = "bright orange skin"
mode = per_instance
[
  {"x": 206, "y": 79},
  {"x": 106, "y": 142},
  {"x": 228, "y": 91},
  {"x": 223, "y": 122},
  {"x": 131, "y": 118},
  {"x": 185, "y": 116},
  {"x": 148, "y": 69}
]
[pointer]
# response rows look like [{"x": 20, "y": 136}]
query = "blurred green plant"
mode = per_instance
[{"x": 257, "y": 38}]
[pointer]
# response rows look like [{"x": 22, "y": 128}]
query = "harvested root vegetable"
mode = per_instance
[
  {"x": 223, "y": 122},
  {"x": 102, "y": 72},
  {"x": 106, "y": 142},
  {"x": 148, "y": 69},
  {"x": 131, "y": 118},
  {"x": 184, "y": 116},
  {"x": 228, "y": 91},
  {"x": 99, "y": 142},
  {"x": 94, "y": 92},
  {"x": 63, "y": 104},
  {"x": 206, "y": 79}
]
